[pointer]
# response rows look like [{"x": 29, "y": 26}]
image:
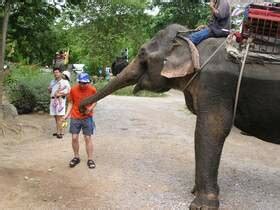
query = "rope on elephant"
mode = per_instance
[
  {"x": 249, "y": 41},
  {"x": 203, "y": 65}
]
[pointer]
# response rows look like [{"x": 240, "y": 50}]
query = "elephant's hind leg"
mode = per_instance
[{"x": 212, "y": 128}]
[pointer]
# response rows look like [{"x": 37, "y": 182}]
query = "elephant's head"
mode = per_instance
[{"x": 158, "y": 62}]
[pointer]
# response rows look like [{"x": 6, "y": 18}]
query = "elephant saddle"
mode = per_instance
[
  {"x": 236, "y": 52},
  {"x": 261, "y": 25}
]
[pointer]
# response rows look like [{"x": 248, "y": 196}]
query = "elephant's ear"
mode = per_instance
[{"x": 182, "y": 59}]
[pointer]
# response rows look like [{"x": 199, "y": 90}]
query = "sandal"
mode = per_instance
[
  {"x": 75, "y": 161},
  {"x": 59, "y": 135},
  {"x": 91, "y": 164}
]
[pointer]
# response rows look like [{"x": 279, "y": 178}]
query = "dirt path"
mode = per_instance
[{"x": 145, "y": 159}]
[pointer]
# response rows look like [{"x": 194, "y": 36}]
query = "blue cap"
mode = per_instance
[{"x": 83, "y": 77}]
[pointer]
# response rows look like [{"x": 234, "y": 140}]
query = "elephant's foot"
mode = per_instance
[
  {"x": 205, "y": 202},
  {"x": 194, "y": 191}
]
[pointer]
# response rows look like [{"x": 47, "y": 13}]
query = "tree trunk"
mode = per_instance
[{"x": 4, "y": 28}]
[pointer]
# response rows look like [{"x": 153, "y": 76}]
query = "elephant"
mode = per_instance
[
  {"x": 210, "y": 96},
  {"x": 118, "y": 65}
]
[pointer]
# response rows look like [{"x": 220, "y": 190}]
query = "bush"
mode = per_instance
[{"x": 27, "y": 89}]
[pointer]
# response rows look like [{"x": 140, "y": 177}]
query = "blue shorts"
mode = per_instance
[{"x": 87, "y": 125}]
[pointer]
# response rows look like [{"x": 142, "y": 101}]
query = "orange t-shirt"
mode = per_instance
[{"x": 78, "y": 94}]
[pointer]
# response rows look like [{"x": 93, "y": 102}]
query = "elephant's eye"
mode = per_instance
[
  {"x": 176, "y": 43},
  {"x": 142, "y": 53}
]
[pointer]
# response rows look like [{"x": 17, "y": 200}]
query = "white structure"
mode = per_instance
[
  {"x": 78, "y": 68},
  {"x": 57, "y": 2}
]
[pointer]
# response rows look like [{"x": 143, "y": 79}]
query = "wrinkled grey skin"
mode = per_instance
[{"x": 211, "y": 97}]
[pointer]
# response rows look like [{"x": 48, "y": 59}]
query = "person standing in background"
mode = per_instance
[{"x": 59, "y": 88}]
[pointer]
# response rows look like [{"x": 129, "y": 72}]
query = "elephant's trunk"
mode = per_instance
[{"x": 129, "y": 76}]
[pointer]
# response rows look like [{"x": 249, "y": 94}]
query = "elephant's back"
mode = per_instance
[
  {"x": 258, "y": 110},
  {"x": 221, "y": 62}
]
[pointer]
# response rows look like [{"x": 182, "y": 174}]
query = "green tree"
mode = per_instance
[
  {"x": 96, "y": 31},
  {"x": 190, "y": 13},
  {"x": 30, "y": 31},
  {"x": 29, "y": 34},
  {"x": 22, "y": 25}
]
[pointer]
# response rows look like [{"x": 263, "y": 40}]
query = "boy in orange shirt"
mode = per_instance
[{"x": 79, "y": 121}]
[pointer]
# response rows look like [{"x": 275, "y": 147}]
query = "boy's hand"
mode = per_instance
[{"x": 88, "y": 110}]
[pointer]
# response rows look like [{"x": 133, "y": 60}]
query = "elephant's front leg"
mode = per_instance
[{"x": 212, "y": 128}]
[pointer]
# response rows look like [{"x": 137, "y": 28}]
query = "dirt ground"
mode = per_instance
[{"x": 144, "y": 152}]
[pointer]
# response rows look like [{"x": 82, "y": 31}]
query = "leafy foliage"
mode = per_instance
[
  {"x": 101, "y": 29},
  {"x": 27, "y": 89},
  {"x": 190, "y": 13},
  {"x": 29, "y": 36}
]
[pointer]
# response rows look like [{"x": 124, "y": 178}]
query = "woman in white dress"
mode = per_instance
[{"x": 59, "y": 89}]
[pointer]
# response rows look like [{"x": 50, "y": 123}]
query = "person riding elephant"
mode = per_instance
[
  {"x": 167, "y": 62},
  {"x": 59, "y": 61},
  {"x": 219, "y": 25}
]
